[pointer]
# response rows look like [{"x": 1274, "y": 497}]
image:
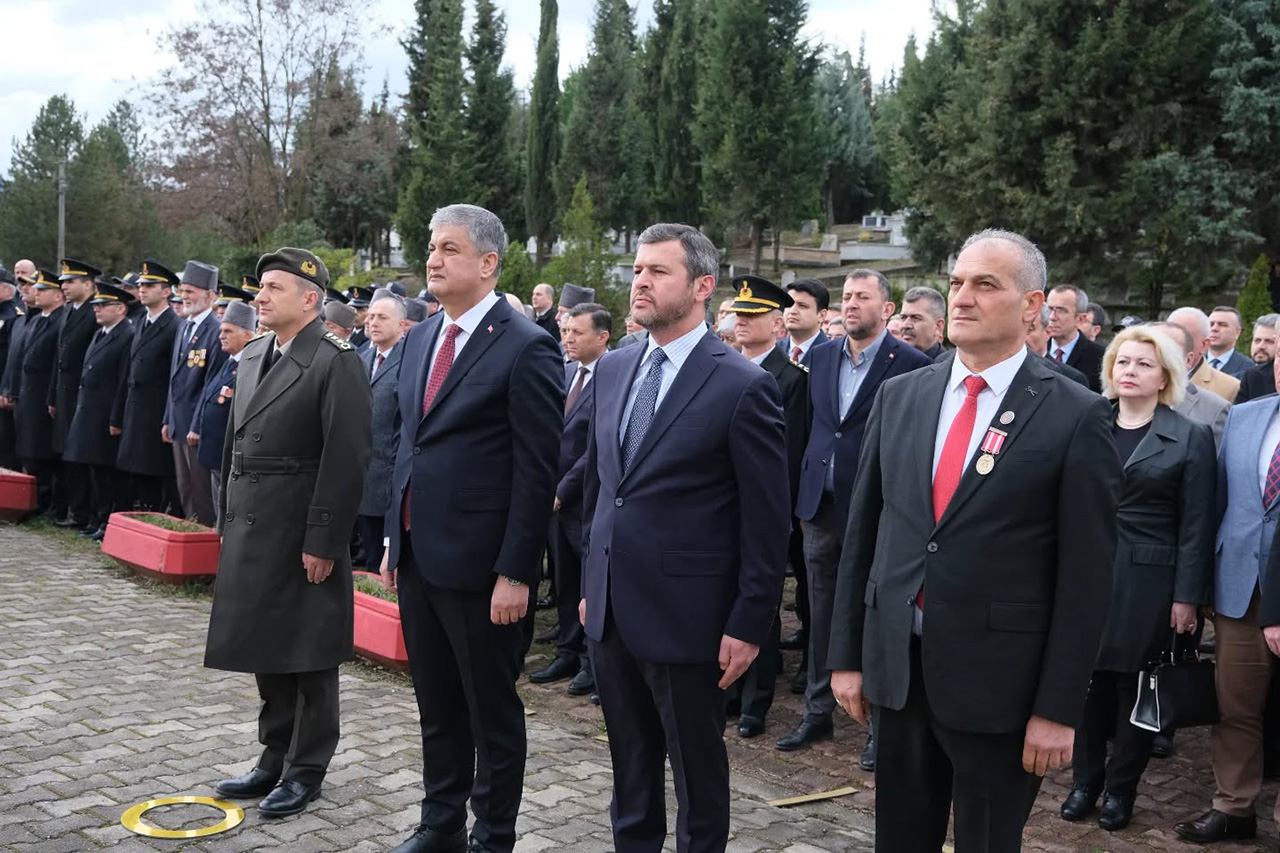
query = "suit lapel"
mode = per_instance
[
  {"x": 423, "y": 359},
  {"x": 628, "y": 363},
  {"x": 1031, "y": 385},
  {"x": 577, "y": 404},
  {"x": 1264, "y": 415},
  {"x": 697, "y": 368},
  {"x": 490, "y": 328},
  {"x": 286, "y": 371},
  {"x": 885, "y": 356},
  {"x": 1153, "y": 442},
  {"x": 388, "y": 364},
  {"x": 928, "y": 411}
]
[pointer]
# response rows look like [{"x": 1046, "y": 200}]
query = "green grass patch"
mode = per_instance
[
  {"x": 369, "y": 586},
  {"x": 168, "y": 522}
]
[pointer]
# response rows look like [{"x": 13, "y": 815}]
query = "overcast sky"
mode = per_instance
[{"x": 97, "y": 52}]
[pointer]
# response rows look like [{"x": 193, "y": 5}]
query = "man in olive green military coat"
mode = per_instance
[{"x": 294, "y": 461}]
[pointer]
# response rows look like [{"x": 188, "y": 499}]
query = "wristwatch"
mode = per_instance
[{"x": 513, "y": 581}]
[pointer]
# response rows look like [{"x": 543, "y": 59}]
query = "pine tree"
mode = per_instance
[
  {"x": 490, "y": 98},
  {"x": 543, "y": 147},
  {"x": 439, "y": 172},
  {"x": 671, "y": 75},
  {"x": 587, "y": 260},
  {"x": 756, "y": 124},
  {"x": 1253, "y": 302},
  {"x": 603, "y": 138},
  {"x": 847, "y": 139}
]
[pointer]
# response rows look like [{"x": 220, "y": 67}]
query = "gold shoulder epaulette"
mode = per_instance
[
  {"x": 337, "y": 341},
  {"x": 799, "y": 365}
]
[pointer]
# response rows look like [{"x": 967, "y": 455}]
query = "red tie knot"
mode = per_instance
[
  {"x": 452, "y": 331},
  {"x": 974, "y": 385}
]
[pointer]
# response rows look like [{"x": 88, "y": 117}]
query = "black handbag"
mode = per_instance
[{"x": 1178, "y": 691}]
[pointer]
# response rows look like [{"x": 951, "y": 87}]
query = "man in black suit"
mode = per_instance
[
  {"x": 976, "y": 574},
  {"x": 924, "y": 321},
  {"x": 143, "y": 454},
  {"x": 1224, "y": 331},
  {"x": 1068, "y": 311},
  {"x": 89, "y": 442},
  {"x": 10, "y": 314},
  {"x": 686, "y": 544},
  {"x": 36, "y": 372},
  {"x": 843, "y": 380},
  {"x": 587, "y": 327},
  {"x": 544, "y": 310},
  {"x": 481, "y": 406},
  {"x": 384, "y": 325},
  {"x": 803, "y": 320},
  {"x": 759, "y": 309},
  {"x": 1038, "y": 343},
  {"x": 196, "y": 356},
  {"x": 77, "y": 329}
]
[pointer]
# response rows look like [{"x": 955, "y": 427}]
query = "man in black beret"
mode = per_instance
[
  {"x": 197, "y": 355},
  {"x": 297, "y": 446}
]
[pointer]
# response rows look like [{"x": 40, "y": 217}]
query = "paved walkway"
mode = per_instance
[{"x": 104, "y": 704}]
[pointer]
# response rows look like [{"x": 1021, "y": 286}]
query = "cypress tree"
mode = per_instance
[
  {"x": 672, "y": 74},
  {"x": 490, "y": 100},
  {"x": 543, "y": 147},
  {"x": 1253, "y": 302}
]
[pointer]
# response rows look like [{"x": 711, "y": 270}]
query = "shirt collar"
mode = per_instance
[
  {"x": 472, "y": 316},
  {"x": 998, "y": 376},
  {"x": 1066, "y": 348},
  {"x": 804, "y": 345},
  {"x": 589, "y": 365},
  {"x": 235, "y": 357},
  {"x": 868, "y": 354},
  {"x": 678, "y": 350},
  {"x": 759, "y": 359},
  {"x": 199, "y": 318}
]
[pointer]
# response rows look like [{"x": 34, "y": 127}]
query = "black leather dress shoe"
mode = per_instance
[
  {"x": 70, "y": 521},
  {"x": 1080, "y": 803},
  {"x": 1214, "y": 825},
  {"x": 749, "y": 727},
  {"x": 804, "y": 734},
  {"x": 558, "y": 669},
  {"x": 595, "y": 699},
  {"x": 256, "y": 783},
  {"x": 88, "y": 530},
  {"x": 426, "y": 840},
  {"x": 288, "y": 798},
  {"x": 868, "y": 759},
  {"x": 582, "y": 684},
  {"x": 793, "y": 642},
  {"x": 1162, "y": 746},
  {"x": 1116, "y": 812},
  {"x": 99, "y": 534},
  {"x": 546, "y": 602}
]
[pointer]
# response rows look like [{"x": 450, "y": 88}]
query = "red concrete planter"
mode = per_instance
[
  {"x": 17, "y": 495},
  {"x": 378, "y": 634},
  {"x": 166, "y": 555}
]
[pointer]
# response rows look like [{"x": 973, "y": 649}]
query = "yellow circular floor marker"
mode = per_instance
[{"x": 132, "y": 819}]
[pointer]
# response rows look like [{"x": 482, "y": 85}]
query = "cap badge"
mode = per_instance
[
  {"x": 309, "y": 267},
  {"x": 745, "y": 293}
]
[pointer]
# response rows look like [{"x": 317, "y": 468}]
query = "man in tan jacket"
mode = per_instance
[{"x": 1196, "y": 322}]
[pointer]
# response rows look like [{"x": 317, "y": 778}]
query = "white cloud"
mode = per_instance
[{"x": 119, "y": 46}]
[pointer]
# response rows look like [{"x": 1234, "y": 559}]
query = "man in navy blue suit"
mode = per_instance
[
  {"x": 481, "y": 409},
  {"x": 197, "y": 355},
  {"x": 844, "y": 376},
  {"x": 687, "y": 516},
  {"x": 585, "y": 332}
]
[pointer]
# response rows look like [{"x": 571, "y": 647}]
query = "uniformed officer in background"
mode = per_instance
[
  {"x": 10, "y": 312},
  {"x": 75, "y": 332},
  {"x": 293, "y": 466}
]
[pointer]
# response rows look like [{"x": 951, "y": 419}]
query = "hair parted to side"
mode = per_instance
[
  {"x": 397, "y": 301},
  {"x": 1033, "y": 270},
  {"x": 701, "y": 257},
  {"x": 1168, "y": 353},
  {"x": 929, "y": 296},
  {"x": 601, "y": 319},
  {"x": 1267, "y": 321},
  {"x": 484, "y": 229}
]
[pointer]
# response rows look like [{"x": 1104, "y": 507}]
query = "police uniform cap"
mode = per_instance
[
  {"x": 300, "y": 262},
  {"x": 71, "y": 268},
  {"x": 110, "y": 294},
  {"x": 397, "y": 288},
  {"x": 332, "y": 295},
  {"x": 130, "y": 280},
  {"x": 758, "y": 295},
  {"x": 154, "y": 272},
  {"x": 250, "y": 284},
  {"x": 231, "y": 293},
  {"x": 415, "y": 310},
  {"x": 6, "y": 277},
  {"x": 46, "y": 280},
  {"x": 360, "y": 297}
]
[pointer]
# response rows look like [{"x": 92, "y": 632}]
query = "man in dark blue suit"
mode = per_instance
[
  {"x": 196, "y": 356},
  {"x": 209, "y": 428},
  {"x": 481, "y": 407},
  {"x": 810, "y": 302},
  {"x": 687, "y": 516},
  {"x": 585, "y": 331},
  {"x": 384, "y": 328},
  {"x": 843, "y": 379}
]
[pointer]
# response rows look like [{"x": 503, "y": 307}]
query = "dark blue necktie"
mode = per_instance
[{"x": 642, "y": 411}]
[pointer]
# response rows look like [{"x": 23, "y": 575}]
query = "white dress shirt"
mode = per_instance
[
  {"x": 1066, "y": 348},
  {"x": 999, "y": 377},
  {"x": 1270, "y": 439},
  {"x": 196, "y": 321},
  {"x": 677, "y": 353},
  {"x": 468, "y": 323}
]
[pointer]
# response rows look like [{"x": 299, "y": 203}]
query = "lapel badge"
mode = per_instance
[
  {"x": 491, "y": 330},
  {"x": 1006, "y": 418},
  {"x": 1031, "y": 391}
]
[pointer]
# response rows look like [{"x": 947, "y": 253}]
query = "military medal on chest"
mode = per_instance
[{"x": 992, "y": 443}]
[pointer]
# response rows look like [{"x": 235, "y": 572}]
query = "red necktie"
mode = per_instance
[
  {"x": 795, "y": 353},
  {"x": 1273, "y": 480},
  {"x": 444, "y": 361},
  {"x": 955, "y": 451},
  {"x": 576, "y": 390},
  {"x": 378, "y": 366},
  {"x": 1058, "y": 355}
]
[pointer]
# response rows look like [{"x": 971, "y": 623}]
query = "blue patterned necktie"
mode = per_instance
[{"x": 642, "y": 411}]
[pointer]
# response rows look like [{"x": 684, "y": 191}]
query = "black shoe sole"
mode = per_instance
[{"x": 251, "y": 795}]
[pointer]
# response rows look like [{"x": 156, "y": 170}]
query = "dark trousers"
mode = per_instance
[
  {"x": 155, "y": 494},
  {"x": 924, "y": 769},
  {"x": 79, "y": 479},
  {"x": 106, "y": 483},
  {"x": 760, "y": 678},
  {"x": 370, "y": 528},
  {"x": 464, "y": 671},
  {"x": 8, "y": 441},
  {"x": 1106, "y": 710},
  {"x": 656, "y": 711},
  {"x": 298, "y": 723},
  {"x": 193, "y": 483},
  {"x": 823, "y": 543},
  {"x": 795, "y": 556},
  {"x": 51, "y": 487},
  {"x": 572, "y": 640}
]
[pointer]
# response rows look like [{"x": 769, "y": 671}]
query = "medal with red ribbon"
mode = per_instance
[{"x": 991, "y": 444}]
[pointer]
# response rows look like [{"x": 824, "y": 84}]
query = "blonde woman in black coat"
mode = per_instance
[{"x": 1163, "y": 562}]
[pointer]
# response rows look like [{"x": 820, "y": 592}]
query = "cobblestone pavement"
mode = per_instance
[{"x": 104, "y": 704}]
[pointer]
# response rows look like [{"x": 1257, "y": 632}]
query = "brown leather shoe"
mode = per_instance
[{"x": 1214, "y": 825}]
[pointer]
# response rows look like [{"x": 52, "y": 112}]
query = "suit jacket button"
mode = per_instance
[
  {"x": 231, "y": 516},
  {"x": 248, "y": 519},
  {"x": 257, "y": 436},
  {"x": 239, "y": 433},
  {"x": 617, "y": 501},
  {"x": 418, "y": 450},
  {"x": 932, "y": 547},
  {"x": 838, "y": 435},
  {"x": 253, "y": 478}
]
